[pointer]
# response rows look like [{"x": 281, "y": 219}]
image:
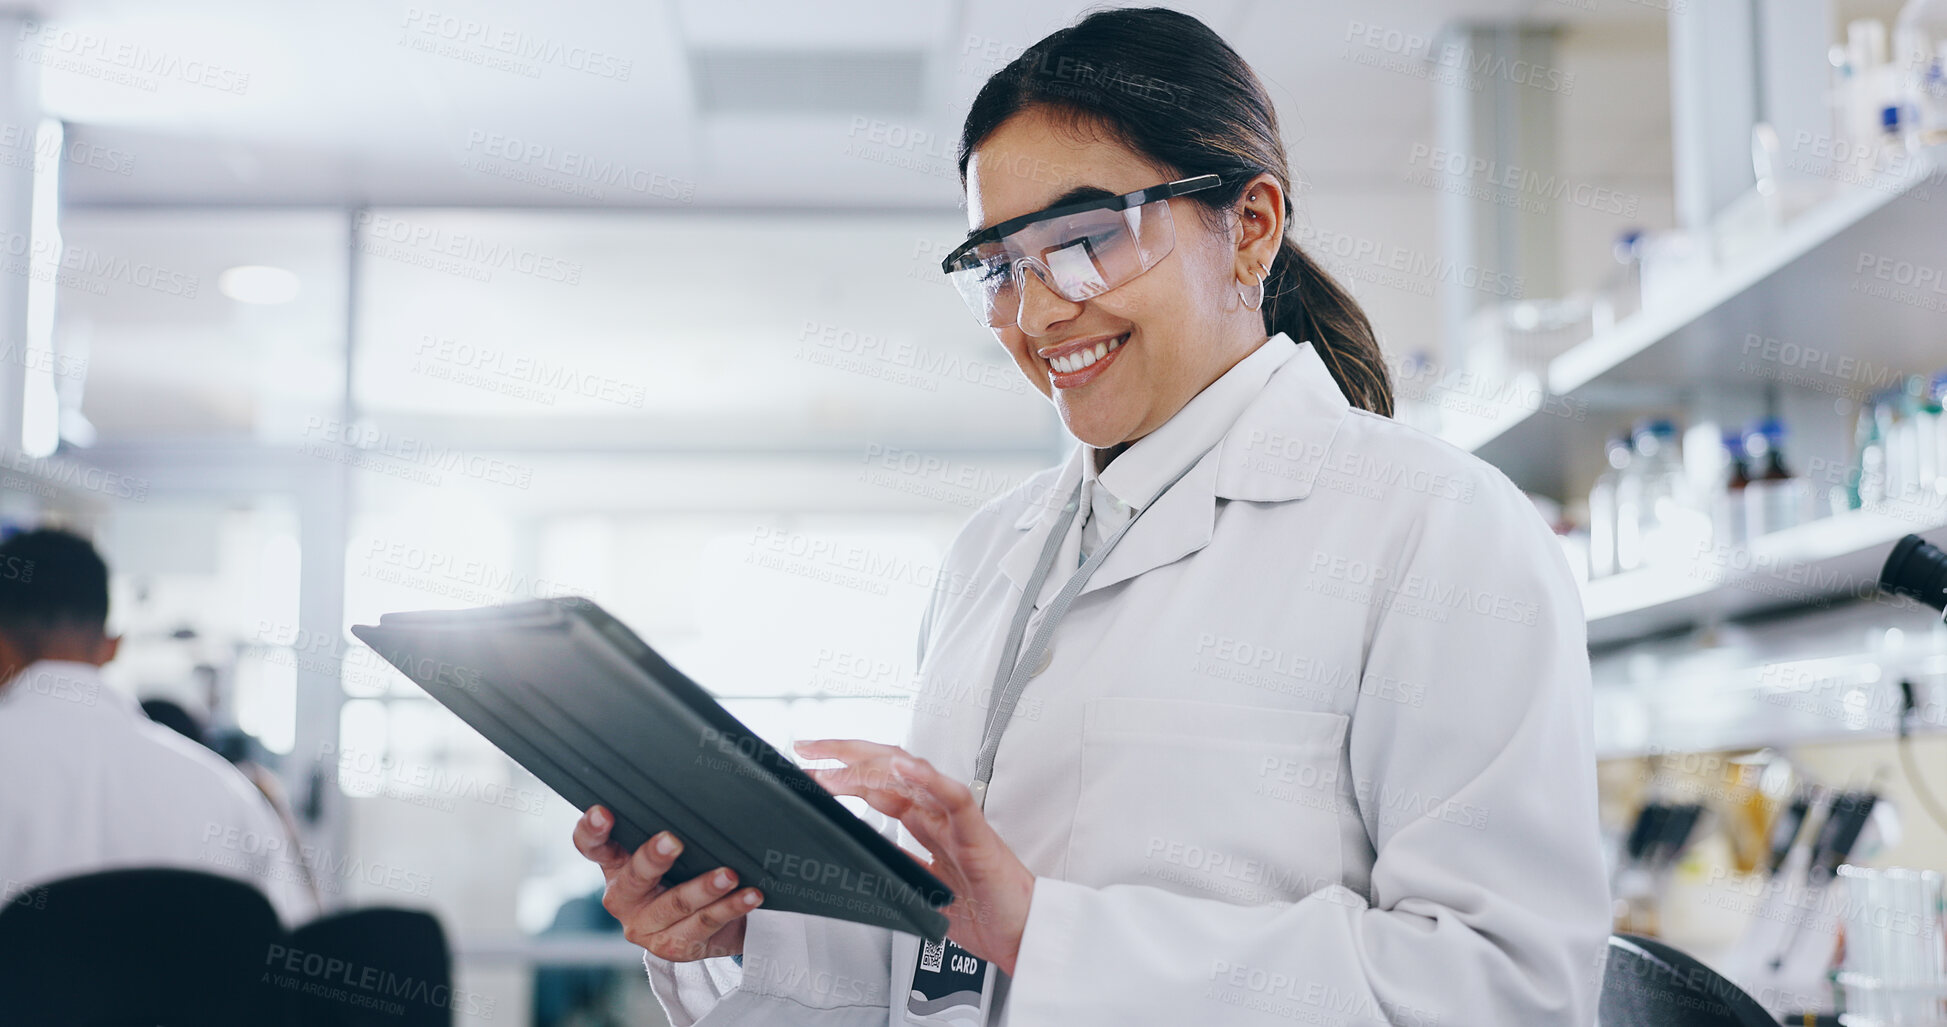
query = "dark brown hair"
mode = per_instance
[{"x": 1166, "y": 86}]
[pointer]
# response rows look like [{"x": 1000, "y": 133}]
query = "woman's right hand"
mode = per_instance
[{"x": 697, "y": 919}]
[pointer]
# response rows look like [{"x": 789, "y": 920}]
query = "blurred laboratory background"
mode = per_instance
[{"x": 315, "y": 312}]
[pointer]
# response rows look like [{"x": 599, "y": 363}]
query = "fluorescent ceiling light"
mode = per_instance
[{"x": 255, "y": 283}]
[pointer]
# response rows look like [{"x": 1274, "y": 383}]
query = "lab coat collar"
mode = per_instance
[
  {"x": 1274, "y": 451},
  {"x": 1271, "y": 454},
  {"x": 1155, "y": 459},
  {"x": 65, "y": 685},
  {"x": 1044, "y": 508}
]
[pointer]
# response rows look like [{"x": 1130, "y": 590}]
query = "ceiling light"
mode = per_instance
[{"x": 254, "y": 283}]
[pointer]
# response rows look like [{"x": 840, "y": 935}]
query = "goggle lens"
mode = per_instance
[{"x": 1077, "y": 256}]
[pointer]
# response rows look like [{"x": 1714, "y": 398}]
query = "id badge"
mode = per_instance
[{"x": 951, "y": 986}]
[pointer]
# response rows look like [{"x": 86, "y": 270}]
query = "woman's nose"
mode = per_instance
[{"x": 1042, "y": 307}]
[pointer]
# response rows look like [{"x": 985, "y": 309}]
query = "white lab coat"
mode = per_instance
[
  {"x": 1314, "y": 745},
  {"x": 87, "y": 783}
]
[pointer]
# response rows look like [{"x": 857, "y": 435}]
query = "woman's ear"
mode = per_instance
[{"x": 1260, "y": 217}]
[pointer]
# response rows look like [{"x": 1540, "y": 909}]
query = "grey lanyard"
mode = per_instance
[{"x": 1012, "y": 676}]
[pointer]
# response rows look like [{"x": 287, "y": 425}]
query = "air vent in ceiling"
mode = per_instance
[{"x": 796, "y": 82}]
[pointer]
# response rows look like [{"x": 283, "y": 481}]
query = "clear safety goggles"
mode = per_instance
[{"x": 1078, "y": 250}]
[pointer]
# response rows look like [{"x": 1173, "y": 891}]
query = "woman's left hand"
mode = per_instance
[{"x": 991, "y": 886}]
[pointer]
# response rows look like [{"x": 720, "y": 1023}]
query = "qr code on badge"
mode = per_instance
[{"x": 931, "y": 955}]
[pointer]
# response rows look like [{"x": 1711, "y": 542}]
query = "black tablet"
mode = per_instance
[{"x": 572, "y": 694}]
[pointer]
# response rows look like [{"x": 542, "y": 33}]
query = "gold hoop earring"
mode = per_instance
[{"x": 1264, "y": 274}]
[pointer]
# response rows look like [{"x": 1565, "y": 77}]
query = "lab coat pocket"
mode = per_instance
[{"x": 1239, "y": 803}]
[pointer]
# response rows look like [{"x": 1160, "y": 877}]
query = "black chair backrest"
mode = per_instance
[
  {"x": 1650, "y": 984},
  {"x": 177, "y": 948},
  {"x": 373, "y": 966}
]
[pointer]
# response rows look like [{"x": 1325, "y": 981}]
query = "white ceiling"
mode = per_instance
[
  {"x": 339, "y": 103},
  {"x": 337, "y": 111}
]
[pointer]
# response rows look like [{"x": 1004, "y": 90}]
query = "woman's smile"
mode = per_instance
[{"x": 1073, "y": 365}]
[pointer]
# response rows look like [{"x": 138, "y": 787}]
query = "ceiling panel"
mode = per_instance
[{"x": 394, "y": 103}]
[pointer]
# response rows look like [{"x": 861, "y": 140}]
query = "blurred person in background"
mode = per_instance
[
  {"x": 174, "y": 716},
  {"x": 581, "y": 996},
  {"x": 87, "y": 782},
  {"x": 241, "y": 750}
]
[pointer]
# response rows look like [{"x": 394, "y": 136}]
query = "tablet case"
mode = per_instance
[{"x": 572, "y": 694}]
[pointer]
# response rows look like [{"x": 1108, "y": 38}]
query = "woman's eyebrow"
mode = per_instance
[
  {"x": 1080, "y": 193},
  {"x": 1075, "y": 195}
]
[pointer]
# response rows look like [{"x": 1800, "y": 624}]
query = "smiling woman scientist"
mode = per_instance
[{"x": 1291, "y": 714}]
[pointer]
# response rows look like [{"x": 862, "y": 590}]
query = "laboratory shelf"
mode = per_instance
[
  {"x": 1822, "y": 676},
  {"x": 1749, "y": 709},
  {"x": 1840, "y": 300},
  {"x": 1820, "y": 563}
]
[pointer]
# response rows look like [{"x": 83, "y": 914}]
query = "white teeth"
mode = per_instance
[{"x": 1073, "y": 362}]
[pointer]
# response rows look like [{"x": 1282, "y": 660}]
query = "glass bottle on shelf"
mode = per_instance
[
  {"x": 1929, "y": 458},
  {"x": 1932, "y": 463},
  {"x": 1920, "y": 58},
  {"x": 1869, "y": 463},
  {"x": 1669, "y": 526},
  {"x": 1887, "y": 419},
  {"x": 1774, "y": 500},
  {"x": 1901, "y": 432},
  {"x": 1629, "y": 508},
  {"x": 1731, "y": 527},
  {"x": 1867, "y": 85},
  {"x": 1604, "y": 500}
]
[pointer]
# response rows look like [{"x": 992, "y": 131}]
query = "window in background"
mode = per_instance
[
  {"x": 160, "y": 347},
  {"x": 749, "y": 437},
  {"x": 677, "y": 333},
  {"x": 209, "y": 585}
]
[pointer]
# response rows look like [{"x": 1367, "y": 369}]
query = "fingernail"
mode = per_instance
[
  {"x": 598, "y": 817},
  {"x": 666, "y": 844},
  {"x": 751, "y": 897},
  {"x": 905, "y": 768},
  {"x": 722, "y": 879}
]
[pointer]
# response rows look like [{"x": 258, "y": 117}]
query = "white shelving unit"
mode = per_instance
[
  {"x": 1840, "y": 300},
  {"x": 1828, "y": 675},
  {"x": 1820, "y": 305},
  {"x": 1837, "y": 304},
  {"x": 1819, "y": 563}
]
